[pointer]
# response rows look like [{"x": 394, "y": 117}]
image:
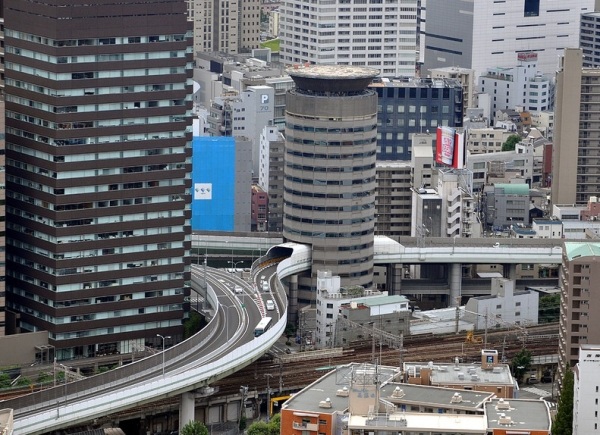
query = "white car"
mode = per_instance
[
  {"x": 270, "y": 305},
  {"x": 265, "y": 286},
  {"x": 238, "y": 289}
]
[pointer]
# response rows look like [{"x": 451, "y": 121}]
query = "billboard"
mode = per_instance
[{"x": 450, "y": 148}]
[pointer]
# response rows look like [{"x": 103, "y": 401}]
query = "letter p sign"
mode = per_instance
[{"x": 264, "y": 99}]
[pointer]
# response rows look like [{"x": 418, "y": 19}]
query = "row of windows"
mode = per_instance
[
  {"x": 95, "y": 41},
  {"x": 337, "y": 169},
  {"x": 113, "y": 57},
  {"x": 140, "y": 72},
  {"x": 107, "y": 90},
  {"x": 311, "y": 128},
  {"x": 310, "y": 221},
  {"x": 363, "y": 155},
  {"x": 323, "y": 235},
  {"x": 108, "y": 155},
  {"x": 316, "y": 182},
  {"x": 357, "y": 142},
  {"x": 341, "y": 209},
  {"x": 344, "y": 195}
]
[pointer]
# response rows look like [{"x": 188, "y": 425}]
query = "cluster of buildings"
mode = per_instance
[{"x": 416, "y": 398}]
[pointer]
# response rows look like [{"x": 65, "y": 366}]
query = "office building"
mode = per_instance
[
  {"x": 382, "y": 35},
  {"x": 98, "y": 172},
  {"x": 589, "y": 39},
  {"x": 228, "y": 26},
  {"x": 486, "y": 33},
  {"x": 579, "y": 302},
  {"x": 329, "y": 174},
  {"x": 518, "y": 86},
  {"x": 406, "y": 107},
  {"x": 575, "y": 156},
  {"x": 270, "y": 178},
  {"x": 466, "y": 77},
  {"x": 585, "y": 390},
  {"x": 393, "y": 198}
]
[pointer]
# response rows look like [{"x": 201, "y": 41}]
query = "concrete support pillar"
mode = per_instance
[
  {"x": 509, "y": 271},
  {"x": 393, "y": 278},
  {"x": 455, "y": 282},
  {"x": 187, "y": 411},
  {"x": 293, "y": 299}
]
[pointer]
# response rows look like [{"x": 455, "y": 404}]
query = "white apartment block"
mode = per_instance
[
  {"x": 484, "y": 33},
  {"x": 458, "y": 216},
  {"x": 383, "y": 35},
  {"x": 586, "y": 390},
  {"x": 520, "y": 86}
]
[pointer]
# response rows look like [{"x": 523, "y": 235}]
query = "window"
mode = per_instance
[{"x": 532, "y": 8}]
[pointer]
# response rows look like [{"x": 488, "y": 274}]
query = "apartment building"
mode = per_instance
[
  {"x": 579, "y": 303},
  {"x": 575, "y": 156},
  {"x": 98, "y": 172},
  {"x": 382, "y": 35}
]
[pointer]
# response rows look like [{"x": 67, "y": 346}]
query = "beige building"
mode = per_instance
[
  {"x": 486, "y": 140},
  {"x": 228, "y": 26},
  {"x": 465, "y": 76},
  {"x": 2, "y": 220},
  {"x": 576, "y": 157},
  {"x": 580, "y": 302}
]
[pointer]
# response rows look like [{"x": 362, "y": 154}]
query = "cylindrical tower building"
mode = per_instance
[{"x": 329, "y": 186}]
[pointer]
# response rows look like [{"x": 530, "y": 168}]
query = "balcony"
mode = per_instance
[{"x": 313, "y": 427}]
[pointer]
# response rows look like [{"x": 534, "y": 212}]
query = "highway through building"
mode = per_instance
[{"x": 228, "y": 344}]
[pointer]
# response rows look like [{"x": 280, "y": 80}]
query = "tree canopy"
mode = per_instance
[
  {"x": 264, "y": 428},
  {"x": 194, "y": 428},
  {"x": 563, "y": 422},
  {"x": 510, "y": 143},
  {"x": 521, "y": 363}
]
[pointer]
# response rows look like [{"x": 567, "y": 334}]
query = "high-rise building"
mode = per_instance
[
  {"x": 98, "y": 172},
  {"x": 2, "y": 220},
  {"x": 406, "y": 107},
  {"x": 585, "y": 390},
  {"x": 329, "y": 174},
  {"x": 579, "y": 302},
  {"x": 589, "y": 39},
  {"x": 229, "y": 26},
  {"x": 486, "y": 33},
  {"x": 382, "y": 35},
  {"x": 575, "y": 156}
]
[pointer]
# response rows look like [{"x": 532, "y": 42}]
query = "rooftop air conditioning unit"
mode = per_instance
[
  {"x": 504, "y": 419},
  {"x": 342, "y": 392},
  {"x": 398, "y": 393},
  {"x": 456, "y": 398},
  {"x": 502, "y": 404},
  {"x": 325, "y": 403}
]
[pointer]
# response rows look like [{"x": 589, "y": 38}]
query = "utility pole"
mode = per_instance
[{"x": 268, "y": 376}]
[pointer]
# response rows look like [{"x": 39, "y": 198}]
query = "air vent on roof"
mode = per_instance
[
  {"x": 457, "y": 398},
  {"x": 474, "y": 377},
  {"x": 325, "y": 403},
  {"x": 342, "y": 392},
  {"x": 502, "y": 404},
  {"x": 443, "y": 368},
  {"x": 398, "y": 393},
  {"x": 504, "y": 419},
  {"x": 461, "y": 375},
  {"x": 497, "y": 370}
]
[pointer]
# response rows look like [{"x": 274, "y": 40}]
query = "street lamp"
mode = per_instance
[
  {"x": 163, "y": 351},
  {"x": 234, "y": 265}
]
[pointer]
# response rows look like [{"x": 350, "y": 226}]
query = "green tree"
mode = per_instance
[
  {"x": 44, "y": 378},
  {"x": 273, "y": 427},
  {"x": 4, "y": 380},
  {"x": 23, "y": 381},
  {"x": 563, "y": 422},
  {"x": 193, "y": 324},
  {"x": 510, "y": 143},
  {"x": 194, "y": 428},
  {"x": 521, "y": 363}
]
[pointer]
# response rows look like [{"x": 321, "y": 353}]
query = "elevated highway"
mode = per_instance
[{"x": 227, "y": 343}]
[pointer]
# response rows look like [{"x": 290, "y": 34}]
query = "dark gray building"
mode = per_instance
[
  {"x": 329, "y": 174},
  {"x": 408, "y": 106},
  {"x": 589, "y": 39},
  {"x": 98, "y": 173}
]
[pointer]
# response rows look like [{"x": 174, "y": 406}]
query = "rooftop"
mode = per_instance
[
  {"x": 415, "y": 421},
  {"x": 463, "y": 374},
  {"x": 439, "y": 397},
  {"x": 521, "y": 415},
  {"x": 581, "y": 249},
  {"x": 332, "y": 78}
]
